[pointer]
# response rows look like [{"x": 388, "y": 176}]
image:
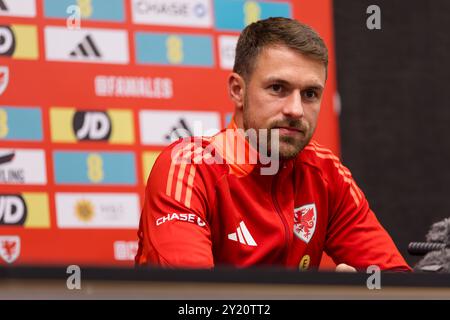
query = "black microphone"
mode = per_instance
[
  {"x": 436, "y": 249},
  {"x": 422, "y": 248}
]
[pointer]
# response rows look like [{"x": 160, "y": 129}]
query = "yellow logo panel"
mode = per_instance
[
  {"x": 148, "y": 160},
  {"x": 61, "y": 124},
  {"x": 26, "y": 42},
  {"x": 123, "y": 128},
  {"x": 30, "y": 210},
  {"x": 38, "y": 206},
  {"x": 69, "y": 125}
]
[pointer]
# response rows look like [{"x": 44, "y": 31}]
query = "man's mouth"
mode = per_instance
[{"x": 289, "y": 130}]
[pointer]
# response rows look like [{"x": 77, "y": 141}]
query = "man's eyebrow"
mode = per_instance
[
  {"x": 314, "y": 85},
  {"x": 277, "y": 80}
]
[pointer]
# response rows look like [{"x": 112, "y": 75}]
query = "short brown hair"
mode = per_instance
[{"x": 276, "y": 31}]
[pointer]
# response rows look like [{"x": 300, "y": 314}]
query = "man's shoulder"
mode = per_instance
[
  {"x": 190, "y": 151},
  {"x": 325, "y": 162},
  {"x": 189, "y": 145},
  {"x": 180, "y": 168},
  {"x": 320, "y": 157}
]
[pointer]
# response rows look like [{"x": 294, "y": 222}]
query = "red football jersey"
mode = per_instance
[{"x": 218, "y": 209}]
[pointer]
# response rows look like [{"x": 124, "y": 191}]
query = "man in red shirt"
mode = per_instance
[{"x": 262, "y": 192}]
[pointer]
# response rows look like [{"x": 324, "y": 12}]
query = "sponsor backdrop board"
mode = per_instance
[{"x": 92, "y": 90}]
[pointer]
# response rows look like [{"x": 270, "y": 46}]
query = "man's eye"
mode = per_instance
[
  {"x": 276, "y": 88},
  {"x": 310, "y": 94}
]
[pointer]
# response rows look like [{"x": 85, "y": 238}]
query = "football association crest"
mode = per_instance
[{"x": 305, "y": 220}]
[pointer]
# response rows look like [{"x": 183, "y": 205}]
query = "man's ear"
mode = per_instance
[{"x": 236, "y": 89}]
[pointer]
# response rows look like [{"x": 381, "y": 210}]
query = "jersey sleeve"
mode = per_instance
[
  {"x": 355, "y": 236},
  {"x": 174, "y": 229}
]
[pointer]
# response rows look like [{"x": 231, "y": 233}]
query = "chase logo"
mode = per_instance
[
  {"x": 14, "y": 8},
  {"x": 86, "y": 45},
  {"x": 236, "y": 15},
  {"x": 95, "y": 10},
  {"x": 30, "y": 210},
  {"x": 73, "y": 167},
  {"x": 170, "y": 49},
  {"x": 71, "y": 125},
  {"x": 19, "y": 42},
  {"x": 186, "y": 13},
  {"x": 20, "y": 124}
]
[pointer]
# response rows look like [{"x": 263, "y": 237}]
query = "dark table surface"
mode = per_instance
[{"x": 38, "y": 282}]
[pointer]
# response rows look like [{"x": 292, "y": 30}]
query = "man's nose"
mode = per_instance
[{"x": 294, "y": 107}]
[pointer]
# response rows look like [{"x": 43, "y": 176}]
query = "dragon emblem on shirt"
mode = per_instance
[{"x": 305, "y": 220}]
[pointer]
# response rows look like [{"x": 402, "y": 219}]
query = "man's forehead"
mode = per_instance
[{"x": 286, "y": 64}]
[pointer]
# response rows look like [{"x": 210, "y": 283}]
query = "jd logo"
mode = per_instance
[
  {"x": 92, "y": 125},
  {"x": 13, "y": 210}
]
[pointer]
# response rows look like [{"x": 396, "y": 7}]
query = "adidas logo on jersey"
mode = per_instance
[{"x": 242, "y": 235}]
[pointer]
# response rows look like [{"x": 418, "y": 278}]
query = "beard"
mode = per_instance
[{"x": 287, "y": 146}]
